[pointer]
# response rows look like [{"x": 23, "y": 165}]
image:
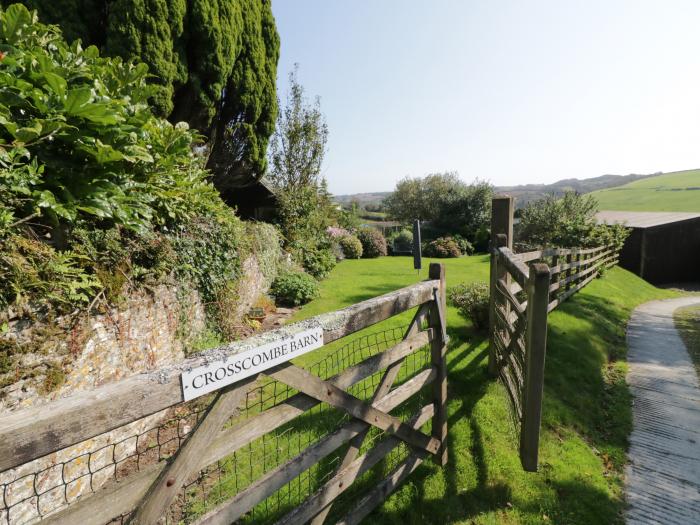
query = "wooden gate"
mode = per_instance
[
  {"x": 360, "y": 400},
  {"x": 524, "y": 288}
]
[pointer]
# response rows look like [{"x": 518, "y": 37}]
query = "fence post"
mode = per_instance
[
  {"x": 501, "y": 224},
  {"x": 535, "y": 346},
  {"x": 439, "y": 356}
]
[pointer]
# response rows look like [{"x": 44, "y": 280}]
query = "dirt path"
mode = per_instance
[{"x": 663, "y": 477}]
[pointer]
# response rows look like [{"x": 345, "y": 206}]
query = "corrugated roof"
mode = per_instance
[{"x": 644, "y": 219}]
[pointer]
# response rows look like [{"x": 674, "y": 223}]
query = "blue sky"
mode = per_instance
[{"x": 508, "y": 91}]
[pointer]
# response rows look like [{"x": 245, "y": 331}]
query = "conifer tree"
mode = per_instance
[{"x": 213, "y": 62}]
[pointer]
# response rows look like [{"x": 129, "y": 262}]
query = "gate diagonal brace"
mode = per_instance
[
  {"x": 382, "y": 389},
  {"x": 326, "y": 392}
]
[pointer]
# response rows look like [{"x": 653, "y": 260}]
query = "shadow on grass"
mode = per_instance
[{"x": 585, "y": 397}]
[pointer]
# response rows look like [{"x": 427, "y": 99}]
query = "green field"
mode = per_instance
[
  {"x": 679, "y": 191},
  {"x": 586, "y": 420}
]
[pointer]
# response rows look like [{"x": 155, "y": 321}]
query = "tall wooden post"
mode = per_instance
[
  {"x": 501, "y": 224},
  {"x": 535, "y": 348},
  {"x": 439, "y": 356},
  {"x": 417, "y": 255}
]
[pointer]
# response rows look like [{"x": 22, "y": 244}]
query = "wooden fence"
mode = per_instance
[
  {"x": 366, "y": 402},
  {"x": 524, "y": 288}
]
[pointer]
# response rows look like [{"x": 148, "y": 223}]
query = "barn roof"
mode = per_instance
[{"x": 644, "y": 219}]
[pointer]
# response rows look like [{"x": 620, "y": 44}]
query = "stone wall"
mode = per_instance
[{"x": 149, "y": 330}]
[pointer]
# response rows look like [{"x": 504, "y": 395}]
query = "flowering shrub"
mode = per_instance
[
  {"x": 335, "y": 232},
  {"x": 443, "y": 247},
  {"x": 373, "y": 242},
  {"x": 351, "y": 246}
]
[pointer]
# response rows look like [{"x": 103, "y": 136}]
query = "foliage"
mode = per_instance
[
  {"x": 305, "y": 211},
  {"x": 400, "y": 241},
  {"x": 317, "y": 259},
  {"x": 566, "y": 222},
  {"x": 294, "y": 288},
  {"x": 213, "y": 64},
  {"x": 472, "y": 300},
  {"x": 373, "y": 242},
  {"x": 31, "y": 270},
  {"x": 450, "y": 205},
  {"x": 64, "y": 110},
  {"x": 141, "y": 209},
  {"x": 465, "y": 247},
  {"x": 212, "y": 265},
  {"x": 348, "y": 219},
  {"x": 351, "y": 246},
  {"x": 442, "y": 247},
  {"x": 298, "y": 144}
]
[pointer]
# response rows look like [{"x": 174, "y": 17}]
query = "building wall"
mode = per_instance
[{"x": 671, "y": 252}]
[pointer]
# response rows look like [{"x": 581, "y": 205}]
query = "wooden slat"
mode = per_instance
[
  {"x": 517, "y": 269},
  {"x": 562, "y": 267},
  {"x": 186, "y": 460},
  {"x": 121, "y": 497},
  {"x": 536, "y": 347},
  {"x": 31, "y": 433},
  {"x": 231, "y": 510},
  {"x": 344, "y": 479},
  {"x": 551, "y": 252},
  {"x": 575, "y": 277},
  {"x": 384, "y": 386},
  {"x": 519, "y": 308},
  {"x": 378, "y": 494},
  {"x": 306, "y": 382}
]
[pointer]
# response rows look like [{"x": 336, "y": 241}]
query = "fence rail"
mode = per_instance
[
  {"x": 524, "y": 288},
  {"x": 282, "y": 446}
]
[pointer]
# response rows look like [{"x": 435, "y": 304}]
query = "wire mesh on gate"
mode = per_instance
[{"x": 37, "y": 489}]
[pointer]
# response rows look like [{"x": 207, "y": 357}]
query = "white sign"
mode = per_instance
[{"x": 211, "y": 377}]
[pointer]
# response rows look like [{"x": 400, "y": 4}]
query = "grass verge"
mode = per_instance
[{"x": 687, "y": 322}]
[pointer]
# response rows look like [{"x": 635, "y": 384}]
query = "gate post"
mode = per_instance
[
  {"x": 501, "y": 224},
  {"x": 535, "y": 348},
  {"x": 439, "y": 357}
]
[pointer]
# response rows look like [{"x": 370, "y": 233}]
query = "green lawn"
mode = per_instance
[
  {"x": 679, "y": 191},
  {"x": 586, "y": 418},
  {"x": 688, "y": 324}
]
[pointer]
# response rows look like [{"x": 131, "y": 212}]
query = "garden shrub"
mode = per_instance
[
  {"x": 294, "y": 288},
  {"x": 566, "y": 222},
  {"x": 442, "y": 247},
  {"x": 98, "y": 193},
  {"x": 351, "y": 246},
  {"x": 400, "y": 242},
  {"x": 373, "y": 242},
  {"x": 66, "y": 110},
  {"x": 472, "y": 300},
  {"x": 465, "y": 247}
]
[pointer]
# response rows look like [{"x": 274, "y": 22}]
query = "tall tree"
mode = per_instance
[
  {"x": 214, "y": 62},
  {"x": 298, "y": 145}
]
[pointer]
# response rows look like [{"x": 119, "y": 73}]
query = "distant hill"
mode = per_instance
[
  {"x": 523, "y": 193},
  {"x": 677, "y": 191},
  {"x": 363, "y": 198},
  {"x": 531, "y": 192}
]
